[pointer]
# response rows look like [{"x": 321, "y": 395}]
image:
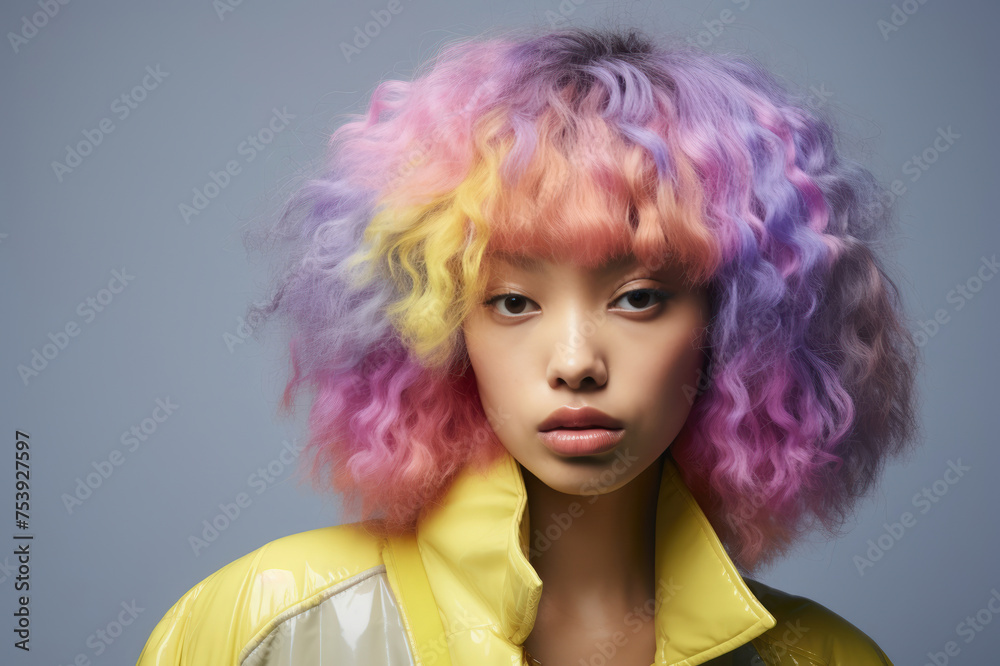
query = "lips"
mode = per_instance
[{"x": 581, "y": 418}]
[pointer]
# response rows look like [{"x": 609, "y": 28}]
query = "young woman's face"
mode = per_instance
[{"x": 620, "y": 339}]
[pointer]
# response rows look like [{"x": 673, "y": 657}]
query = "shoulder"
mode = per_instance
[
  {"x": 238, "y": 605},
  {"x": 809, "y": 633}
]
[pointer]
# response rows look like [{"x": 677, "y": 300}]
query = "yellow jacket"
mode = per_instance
[{"x": 461, "y": 591}]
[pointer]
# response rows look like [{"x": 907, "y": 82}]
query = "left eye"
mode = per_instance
[
  {"x": 642, "y": 299},
  {"x": 514, "y": 304}
]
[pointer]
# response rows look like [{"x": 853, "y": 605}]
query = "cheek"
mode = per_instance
[
  {"x": 489, "y": 365},
  {"x": 502, "y": 381},
  {"x": 498, "y": 392},
  {"x": 665, "y": 376}
]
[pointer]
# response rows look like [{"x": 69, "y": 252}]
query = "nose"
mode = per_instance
[{"x": 577, "y": 357}]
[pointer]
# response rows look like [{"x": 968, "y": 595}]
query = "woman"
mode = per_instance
[{"x": 582, "y": 313}]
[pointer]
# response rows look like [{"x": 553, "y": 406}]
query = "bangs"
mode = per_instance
[{"x": 572, "y": 187}]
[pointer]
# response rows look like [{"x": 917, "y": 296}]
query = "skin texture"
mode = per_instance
[{"x": 566, "y": 335}]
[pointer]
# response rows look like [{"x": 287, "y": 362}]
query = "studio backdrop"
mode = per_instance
[{"x": 142, "y": 442}]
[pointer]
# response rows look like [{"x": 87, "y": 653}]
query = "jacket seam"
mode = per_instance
[{"x": 303, "y": 606}]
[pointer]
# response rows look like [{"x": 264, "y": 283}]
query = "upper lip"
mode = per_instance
[{"x": 581, "y": 417}]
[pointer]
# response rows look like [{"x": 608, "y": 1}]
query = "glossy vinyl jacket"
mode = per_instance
[{"x": 460, "y": 591}]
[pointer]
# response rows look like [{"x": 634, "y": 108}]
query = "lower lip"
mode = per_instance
[{"x": 569, "y": 442}]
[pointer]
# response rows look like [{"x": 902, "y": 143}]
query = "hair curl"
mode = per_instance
[{"x": 591, "y": 144}]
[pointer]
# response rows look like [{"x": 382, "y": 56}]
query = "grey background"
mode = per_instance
[{"x": 163, "y": 336}]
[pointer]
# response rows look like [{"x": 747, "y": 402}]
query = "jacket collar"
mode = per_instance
[{"x": 474, "y": 544}]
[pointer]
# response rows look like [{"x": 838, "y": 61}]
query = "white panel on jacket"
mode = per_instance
[{"x": 357, "y": 623}]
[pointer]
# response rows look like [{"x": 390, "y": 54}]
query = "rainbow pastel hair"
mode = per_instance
[{"x": 589, "y": 144}]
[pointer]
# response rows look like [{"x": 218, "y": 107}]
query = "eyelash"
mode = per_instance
[{"x": 657, "y": 293}]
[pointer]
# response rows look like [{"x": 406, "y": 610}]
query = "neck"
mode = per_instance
[{"x": 606, "y": 540}]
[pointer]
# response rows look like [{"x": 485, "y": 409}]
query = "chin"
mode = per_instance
[{"x": 579, "y": 476}]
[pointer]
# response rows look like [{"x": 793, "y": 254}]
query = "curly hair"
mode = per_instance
[{"x": 591, "y": 143}]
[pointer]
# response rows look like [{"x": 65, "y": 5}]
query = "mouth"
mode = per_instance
[
  {"x": 580, "y": 431},
  {"x": 581, "y": 441},
  {"x": 581, "y": 418}
]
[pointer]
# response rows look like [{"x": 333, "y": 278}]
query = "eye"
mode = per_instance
[
  {"x": 514, "y": 304},
  {"x": 643, "y": 299}
]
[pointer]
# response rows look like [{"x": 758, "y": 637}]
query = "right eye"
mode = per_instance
[{"x": 513, "y": 305}]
